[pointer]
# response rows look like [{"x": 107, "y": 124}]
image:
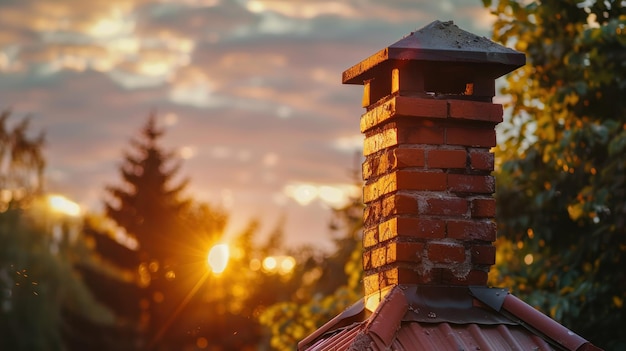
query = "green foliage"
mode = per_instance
[
  {"x": 40, "y": 250},
  {"x": 327, "y": 285},
  {"x": 39, "y": 282},
  {"x": 562, "y": 185},
  {"x": 21, "y": 161}
]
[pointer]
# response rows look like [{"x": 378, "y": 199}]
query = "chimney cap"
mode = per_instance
[{"x": 439, "y": 42}]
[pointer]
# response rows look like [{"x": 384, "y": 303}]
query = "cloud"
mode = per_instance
[{"x": 249, "y": 91}]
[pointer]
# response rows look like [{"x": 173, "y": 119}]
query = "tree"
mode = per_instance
[
  {"x": 21, "y": 161},
  {"x": 224, "y": 316},
  {"x": 39, "y": 283},
  {"x": 327, "y": 285},
  {"x": 152, "y": 209},
  {"x": 110, "y": 274},
  {"x": 562, "y": 183},
  {"x": 147, "y": 205}
]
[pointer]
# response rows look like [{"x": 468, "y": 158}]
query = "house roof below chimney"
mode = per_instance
[{"x": 444, "y": 318}]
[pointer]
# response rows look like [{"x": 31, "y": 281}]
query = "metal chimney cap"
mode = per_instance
[{"x": 442, "y": 42}]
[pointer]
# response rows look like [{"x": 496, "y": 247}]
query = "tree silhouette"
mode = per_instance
[
  {"x": 21, "y": 161},
  {"x": 150, "y": 207},
  {"x": 147, "y": 204}
]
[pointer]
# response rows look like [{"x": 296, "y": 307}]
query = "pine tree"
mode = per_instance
[
  {"x": 146, "y": 204},
  {"x": 151, "y": 208}
]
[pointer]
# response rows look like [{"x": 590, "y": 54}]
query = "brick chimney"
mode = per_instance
[{"x": 429, "y": 129}]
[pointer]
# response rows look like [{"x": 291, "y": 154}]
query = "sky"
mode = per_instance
[{"x": 248, "y": 91}]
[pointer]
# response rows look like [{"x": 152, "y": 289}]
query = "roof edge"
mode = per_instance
[
  {"x": 503, "y": 301},
  {"x": 390, "y": 310},
  {"x": 354, "y": 74},
  {"x": 352, "y": 314}
]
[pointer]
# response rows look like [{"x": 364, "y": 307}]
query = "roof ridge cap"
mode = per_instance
[{"x": 390, "y": 310}]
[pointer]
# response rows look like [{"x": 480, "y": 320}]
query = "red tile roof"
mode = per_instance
[{"x": 444, "y": 318}]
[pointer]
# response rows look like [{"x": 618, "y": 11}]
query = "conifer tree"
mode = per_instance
[{"x": 148, "y": 205}]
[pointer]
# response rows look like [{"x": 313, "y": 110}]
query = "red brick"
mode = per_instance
[
  {"x": 399, "y": 275},
  {"x": 367, "y": 260},
  {"x": 421, "y": 180},
  {"x": 392, "y": 253},
  {"x": 466, "y": 183},
  {"x": 472, "y": 277},
  {"x": 379, "y": 256},
  {"x": 430, "y": 228},
  {"x": 371, "y": 283},
  {"x": 403, "y": 106},
  {"x": 477, "y": 277},
  {"x": 423, "y": 132},
  {"x": 372, "y": 213},
  {"x": 409, "y": 157},
  {"x": 476, "y": 137},
  {"x": 403, "y": 180},
  {"x": 370, "y": 237},
  {"x": 443, "y": 252},
  {"x": 409, "y": 252},
  {"x": 483, "y": 254},
  {"x": 481, "y": 160},
  {"x": 379, "y": 139},
  {"x": 374, "y": 165},
  {"x": 442, "y": 206},
  {"x": 390, "y": 160},
  {"x": 467, "y": 230},
  {"x": 385, "y": 184},
  {"x": 483, "y": 207},
  {"x": 416, "y": 107},
  {"x": 475, "y": 110},
  {"x": 412, "y": 227},
  {"x": 447, "y": 158},
  {"x": 375, "y": 281},
  {"x": 376, "y": 116},
  {"x": 398, "y": 204}
]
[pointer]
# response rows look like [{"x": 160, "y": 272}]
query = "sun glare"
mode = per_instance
[
  {"x": 218, "y": 258},
  {"x": 61, "y": 204}
]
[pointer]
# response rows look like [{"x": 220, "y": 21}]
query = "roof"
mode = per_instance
[
  {"x": 439, "y": 42},
  {"x": 443, "y": 318}
]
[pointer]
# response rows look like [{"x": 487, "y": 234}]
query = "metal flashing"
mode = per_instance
[
  {"x": 414, "y": 317},
  {"x": 441, "y": 42},
  {"x": 492, "y": 297}
]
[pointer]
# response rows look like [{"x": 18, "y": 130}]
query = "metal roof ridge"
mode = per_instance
[
  {"x": 390, "y": 311},
  {"x": 352, "y": 314},
  {"x": 532, "y": 319}
]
